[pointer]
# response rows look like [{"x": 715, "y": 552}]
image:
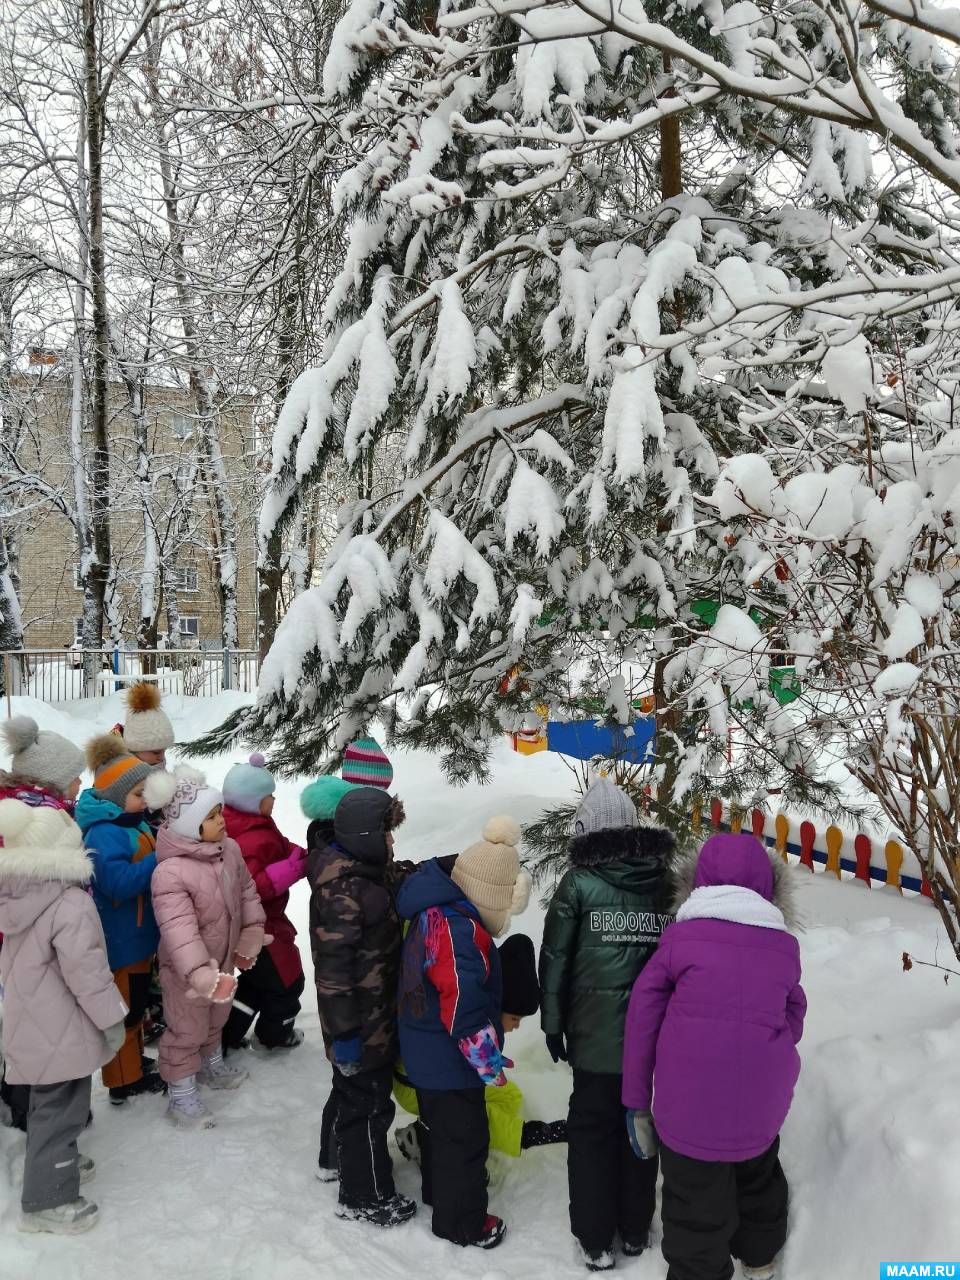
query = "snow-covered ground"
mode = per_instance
[{"x": 872, "y": 1146}]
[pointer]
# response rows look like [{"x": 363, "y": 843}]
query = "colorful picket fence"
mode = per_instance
[{"x": 803, "y": 840}]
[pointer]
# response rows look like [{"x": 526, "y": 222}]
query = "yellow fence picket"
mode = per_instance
[{"x": 894, "y": 856}]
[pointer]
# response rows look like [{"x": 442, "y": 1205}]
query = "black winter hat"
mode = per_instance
[
  {"x": 361, "y": 821},
  {"x": 521, "y": 989}
]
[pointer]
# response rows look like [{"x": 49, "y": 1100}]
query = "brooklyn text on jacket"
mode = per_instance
[{"x": 645, "y": 922}]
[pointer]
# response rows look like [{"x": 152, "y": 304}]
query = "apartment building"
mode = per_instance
[{"x": 180, "y": 501}]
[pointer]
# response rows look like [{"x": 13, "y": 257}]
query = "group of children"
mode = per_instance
[{"x": 665, "y": 983}]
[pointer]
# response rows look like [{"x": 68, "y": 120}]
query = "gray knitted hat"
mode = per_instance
[
  {"x": 605, "y": 807},
  {"x": 40, "y": 755}
]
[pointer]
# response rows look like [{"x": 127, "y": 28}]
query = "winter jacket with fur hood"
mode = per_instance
[
  {"x": 716, "y": 1015},
  {"x": 206, "y": 905},
  {"x": 59, "y": 993},
  {"x": 602, "y": 926}
]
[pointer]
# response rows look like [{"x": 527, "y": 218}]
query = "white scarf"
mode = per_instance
[{"x": 734, "y": 903}]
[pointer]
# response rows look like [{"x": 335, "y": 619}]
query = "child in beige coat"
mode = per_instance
[{"x": 63, "y": 1015}]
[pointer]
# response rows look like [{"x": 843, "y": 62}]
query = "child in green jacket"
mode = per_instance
[{"x": 602, "y": 927}]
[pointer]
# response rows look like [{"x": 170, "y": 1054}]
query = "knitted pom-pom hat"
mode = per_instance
[
  {"x": 320, "y": 799},
  {"x": 40, "y": 755},
  {"x": 146, "y": 727},
  {"x": 605, "y": 807},
  {"x": 184, "y": 798},
  {"x": 115, "y": 771},
  {"x": 365, "y": 765},
  {"x": 490, "y": 875},
  {"x": 247, "y": 785}
]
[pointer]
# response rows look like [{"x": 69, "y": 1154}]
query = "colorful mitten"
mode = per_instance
[{"x": 482, "y": 1051}]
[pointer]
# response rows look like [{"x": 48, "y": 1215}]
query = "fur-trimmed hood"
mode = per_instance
[
  {"x": 735, "y": 859},
  {"x": 648, "y": 846},
  {"x": 32, "y": 879}
]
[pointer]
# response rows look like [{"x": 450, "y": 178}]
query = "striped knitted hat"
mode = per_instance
[
  {"x": 115, "y": 771},
  {"x": 365, "y": 765}
]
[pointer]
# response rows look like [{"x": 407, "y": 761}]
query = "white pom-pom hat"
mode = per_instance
[
  {"x": 490, "y": 875},
  {"x": 184, "y": 798}
]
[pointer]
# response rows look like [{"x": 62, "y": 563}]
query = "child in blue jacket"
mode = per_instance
[
  {"x": 450, "y": 1031},
  {"x": 112, "y": 816}
]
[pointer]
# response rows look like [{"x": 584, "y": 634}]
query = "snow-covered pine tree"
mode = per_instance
[{"x": 564, "y": 360}]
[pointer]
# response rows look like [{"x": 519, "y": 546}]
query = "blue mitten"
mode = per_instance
[
  {"x": 642, "y": 1134},
  {"x": 347, "y": 1054}
]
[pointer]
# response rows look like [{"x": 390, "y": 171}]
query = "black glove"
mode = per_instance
[{"x": 555, "y": 1046}]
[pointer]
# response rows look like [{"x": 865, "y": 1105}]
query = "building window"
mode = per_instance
[
  {"x": 189, "y": 628},
  {"x": 77, "y": 584},
  {"x": 183, "y": 578},
  {"x": 78, "y": 631},
  {"x": 181, "y": 426}
]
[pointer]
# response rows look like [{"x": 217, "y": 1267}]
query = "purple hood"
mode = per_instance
[
  {"x": 729, "y": 858},
  {"x": 716, "y": 1014}
]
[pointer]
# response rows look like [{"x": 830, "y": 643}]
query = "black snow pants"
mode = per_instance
[
  {"x": 712, "y": 1210},
  {"x": 261, "y": 995},
  {"x": 363, "y": 1114},
  {"x": 455, "y": 1139},
  {"x": 611, "y": 1191}
]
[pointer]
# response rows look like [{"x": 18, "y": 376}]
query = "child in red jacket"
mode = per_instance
[{"x": 269, "y": 992}]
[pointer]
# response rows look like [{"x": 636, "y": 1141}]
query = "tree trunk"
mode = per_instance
[
  {"x": 149, "y": 582},
  {"x": 11, "y": 621},
  {"x": 270, "y": 556},
  {"x": 99, "y": 557},
  {"x": 671, "y": 177},
  {"x": 221, "y": 504}
]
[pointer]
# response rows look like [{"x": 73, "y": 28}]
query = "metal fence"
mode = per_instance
[{"x": 62, "y": 675}]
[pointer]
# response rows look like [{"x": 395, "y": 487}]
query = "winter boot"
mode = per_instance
[
  {"x": 492, "y": 1232},
  {"x": 540, "y": 1133},
  {"x": 292, "y": 1040},
  {"x": 633, "y": 1246},
  {"x": 64, "y": 1220},
  {"x": 186, "y": 1109},
  {"x": 379, "y": 1213},
  {"x": 140, "y": 1088},
  {"x": 408, "y": 1142},
  {"x": 148, "y": 1065},
  {"x": 215, "y": 1073},
  {"x": 767, "y": 1272},
  {"x": 153, "y": 1029},
  {"x": 86, "y": 1167},
  {"x": 597, "y": 1259}
]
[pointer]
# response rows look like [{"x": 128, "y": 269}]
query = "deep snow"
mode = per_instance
[{"x": 872, "y": 1146}]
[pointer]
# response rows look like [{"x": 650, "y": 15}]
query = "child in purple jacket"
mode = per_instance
[{"x": 711, "y": 1034}]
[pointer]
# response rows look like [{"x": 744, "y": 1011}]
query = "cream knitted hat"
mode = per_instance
[
  {"x": 490, "y": 875},
  {"x": 146, "y": 727}
]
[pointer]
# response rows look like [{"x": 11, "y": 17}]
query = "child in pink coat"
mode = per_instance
[{"x": 211, "y": 922}]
